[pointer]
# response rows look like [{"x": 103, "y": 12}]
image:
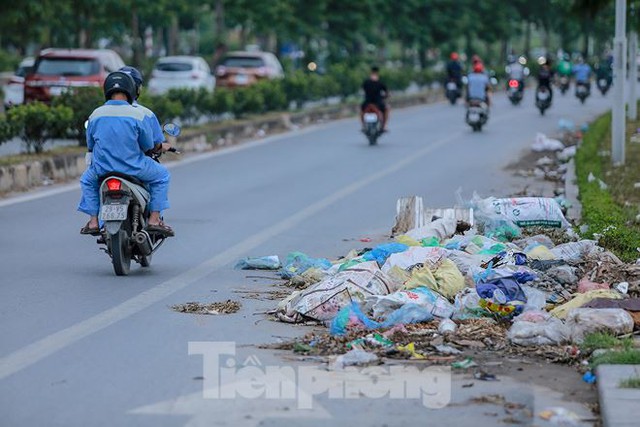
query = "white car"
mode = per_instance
[
  {"x": 14, "y": 89},
  {"x": 181, "y": 72}
]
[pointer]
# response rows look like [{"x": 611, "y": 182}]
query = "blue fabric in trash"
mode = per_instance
[
  {"x": 508, "y": 285},
  {"x": 352, "y": 314},
  {"x": 381, "y": 252},
  {"x": 297, "y": 263}
]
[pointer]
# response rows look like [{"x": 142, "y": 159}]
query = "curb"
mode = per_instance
[
  {"x": 571, "y": 192},
  {"x": 619, "y": 407},
  {"x": 63, "y": 167}
]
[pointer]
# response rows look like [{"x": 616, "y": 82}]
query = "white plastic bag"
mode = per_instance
[
  {"x": 583, "y": 321},
  {"x": 440, "y": 229},
  {"x": 538, "y": 328},
  {"x": 430, "y": 256},
  {"x": 543, "y": 143},
  {"x": 383, "y": 305},
  {"x": 574, "y": 251}
]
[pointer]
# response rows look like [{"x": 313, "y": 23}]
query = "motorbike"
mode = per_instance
[
  {"x": 563, "y": 84},
  {"x": 124, "y": 212},
  {"x": 452, "y": 91},
  {"x": 477, "y": 114},
  {"x": 543, "y": 99},
  {"x": 603, "y": 85},
  {"x": 582, "y": 91},
  {"x": 372, "y": 123},
  {"x": 515, "y": 91}
]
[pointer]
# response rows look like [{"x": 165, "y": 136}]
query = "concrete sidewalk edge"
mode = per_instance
[{"x": 619, "y": 407}]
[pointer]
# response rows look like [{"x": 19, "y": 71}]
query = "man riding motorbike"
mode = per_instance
[
  {"x": 545, "y": 76},
  {"x": 119, "y": 137},
  {"x": 582, "y": 73},
  {"x": 454, "y": 70},
  {"x": 517, "y": 71},
  {"x": 564, "y": 67},
  {"x": 375, "y": 92},
  {"x": 478, "y": 85}
]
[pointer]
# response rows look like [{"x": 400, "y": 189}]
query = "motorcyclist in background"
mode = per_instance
[
  {"x": 454, "y": 70},
  {"x": 582, "y": 73},
  {"x": 119, "y": 136},
  {"x": 516, "y": 70},
  {"x": 564, "y": 67},
  {"x": 604, "y": 70},
  {"x": 545, "y": 75},
  {"x": 375, "y": 92},
  {"x": 478, "y": 84}
]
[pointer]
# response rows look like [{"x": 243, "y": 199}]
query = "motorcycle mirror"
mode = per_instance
[
  {"x": 171, "y": 129},
  {"x": 86, "y": 124},
  {"x": 494, "y": 81}
]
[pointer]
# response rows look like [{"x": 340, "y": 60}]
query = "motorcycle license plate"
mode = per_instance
[
  {"x": 542, "y": 96},
  {"x": 474, "y": 117},
  {"x": 370, "y": 118},
  {"x": 113, "y": 212},
  {"x": 603, "y": 82},
  {"x": 451, "y": 86}
]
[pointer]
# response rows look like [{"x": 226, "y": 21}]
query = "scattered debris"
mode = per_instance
[{"x": 226, "y": 307}]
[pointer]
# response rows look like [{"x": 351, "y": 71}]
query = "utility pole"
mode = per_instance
[
  {"x": 619, "y": 68},
  {"x": 632, "y": 113}
]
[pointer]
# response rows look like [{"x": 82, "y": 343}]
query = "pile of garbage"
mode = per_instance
[{"x": 474, "y": 277}]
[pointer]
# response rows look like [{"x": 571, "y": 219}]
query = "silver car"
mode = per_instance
[
  {"x": 181, "y": 72},
  {"x": 14, "y": 89}
]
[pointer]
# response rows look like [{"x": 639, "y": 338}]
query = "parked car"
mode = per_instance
[
  {"x": 175, "y": 72},
  {"x": 14, "y": 89},
  {"x": 244, "y": 68},
  {"x": 57, "y": 70}
]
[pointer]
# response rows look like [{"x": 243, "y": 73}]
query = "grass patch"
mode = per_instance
[
  {"x": 627, "y": 356},
  {"x": 633, "y": 382},
  {"x": 17, "y": 159},
  {"x": 610, "y": 213},
  {"x": 598, "y": 340}
]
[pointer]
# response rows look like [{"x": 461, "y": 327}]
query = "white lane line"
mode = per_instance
[{"x": 33, "y": 353}]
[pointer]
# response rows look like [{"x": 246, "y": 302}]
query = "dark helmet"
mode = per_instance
[
  {"x": 119, "y": 81},
  {"x": 136, "y": 75}
]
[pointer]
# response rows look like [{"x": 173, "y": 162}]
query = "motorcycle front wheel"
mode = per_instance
[{"x": 121, "y": 252}]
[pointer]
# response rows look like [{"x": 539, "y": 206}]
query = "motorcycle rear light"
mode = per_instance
[
  {"x": 114, "y": 184},
  {"x": 513, "y": 83}
]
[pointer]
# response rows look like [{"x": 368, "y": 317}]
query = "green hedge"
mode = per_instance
[{"x": 599, "y": 210}]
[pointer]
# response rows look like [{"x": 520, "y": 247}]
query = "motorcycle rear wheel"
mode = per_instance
[{"x": 121, "y": 252}]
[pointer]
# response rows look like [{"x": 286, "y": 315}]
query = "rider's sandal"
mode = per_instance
[
  {"x": 92, "y": 231},
  {"x": 160, "y": 228}
]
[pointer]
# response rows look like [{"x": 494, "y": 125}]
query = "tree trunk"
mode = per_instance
[
  {"x": 220, "y": 27},
  {"x": 135, "y": 34},
  {"x": 173, "y": 35},
  {"x": 527, "y": 39}
]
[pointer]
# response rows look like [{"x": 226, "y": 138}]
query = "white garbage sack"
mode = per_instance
[
  {"x": 567, "y": 153},
  {"x": 413, "y": 256},
  {"x": 441, "y": 229},
  {"x": 543, "y": 143},
  {"x": 538, "y": 328},
  {"x": 523, "y": 211},
  {"x": 383, "y": 305},
  {"x": 574, "y": 251},
  {"x": 583, "y": 321},
  {"x": 323, "y": 300}
]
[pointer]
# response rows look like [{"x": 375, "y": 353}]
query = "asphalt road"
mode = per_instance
[{"x": 81, "y": 346}]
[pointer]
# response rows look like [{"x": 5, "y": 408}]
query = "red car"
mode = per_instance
[{"x": 57, "y": 70}]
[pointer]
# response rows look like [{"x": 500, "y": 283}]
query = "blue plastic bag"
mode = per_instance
[
  {"x": 298, "y": 262},
  {"x": 381, "y": 252},
  {"x": 353, "y": 316},
  {"x": 259, "y": 263}
]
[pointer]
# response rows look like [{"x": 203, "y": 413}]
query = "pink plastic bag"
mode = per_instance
[{"x": 586, "y": 285}]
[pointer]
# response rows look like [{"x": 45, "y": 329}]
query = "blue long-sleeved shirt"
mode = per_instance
[
  {"x": 118, "y": 135},
  {"x": 582, "y": 72},
  {"x": 153, "y": 123}
]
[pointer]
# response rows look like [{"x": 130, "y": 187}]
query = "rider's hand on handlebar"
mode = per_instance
[{"x": 165, "y": 146}]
